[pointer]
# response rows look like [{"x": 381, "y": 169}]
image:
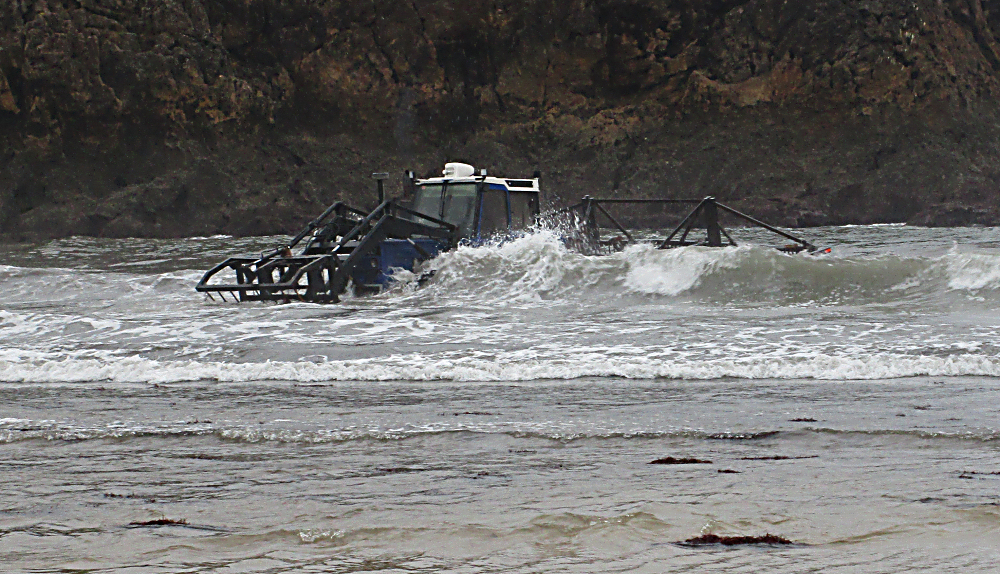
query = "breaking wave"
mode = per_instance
[
  {"x": 20, "y": 430},
  {"x": 692, "y": 313},
  {"x": 23, "y": 367},
  {"x": 539, "y": 267}
]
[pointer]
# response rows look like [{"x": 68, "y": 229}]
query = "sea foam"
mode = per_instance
[{"x": 439, "y": 366}]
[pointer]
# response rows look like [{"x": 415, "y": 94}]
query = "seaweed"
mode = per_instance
[
  {"x": 971, "y": 474},
  {"x": 398, "y": 469},
  {"x": 713, "y": 539},
  {"x": 130, "y": 496},
  {"x": 672, "y": 460},
  {"x": 160, "y": 522}
]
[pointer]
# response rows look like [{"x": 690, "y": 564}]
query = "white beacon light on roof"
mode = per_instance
[{"x": 454, "y": 169}]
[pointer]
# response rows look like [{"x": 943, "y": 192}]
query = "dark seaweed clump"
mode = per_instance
[
  {"x": 971, "y": 474},
  {"x": 710, "y": 539},
  {"x": 672, "y": 460},
  {"x": 160, "y": 522}
]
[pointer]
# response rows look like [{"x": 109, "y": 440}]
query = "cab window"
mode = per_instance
[
  {"x": 454, "y": 203},
  {"x": 460, "y": 206},
  {"x": 523, "y": 209},
  {"x": 427, "y": 200},
  {"x": 494, "y": 209}
]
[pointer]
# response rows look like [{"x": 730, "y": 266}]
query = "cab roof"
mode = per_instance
[
  {"x": 528, "y": 184},
  {"x": 457, "y": 172}
]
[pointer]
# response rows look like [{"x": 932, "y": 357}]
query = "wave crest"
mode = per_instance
[
  {"x": 508, "y": 367},
  {"x": 539, "y": 267}
]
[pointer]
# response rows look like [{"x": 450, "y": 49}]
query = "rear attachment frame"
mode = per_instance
[{"x": 704, "y": 215}]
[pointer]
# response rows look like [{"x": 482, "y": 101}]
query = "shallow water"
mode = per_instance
[{"x": 502, "y": 417}]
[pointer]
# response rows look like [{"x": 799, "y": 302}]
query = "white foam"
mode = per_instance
[
  {"x": 972, "y": 271},
  {"x": 674, "y": 271},
  {"x": 509, "y": 367},
  {"x": 524, "y": 270},
  {"x": 871, "y": 225},
  {"x": 313, "y": 535},
  {"x": 13, "y": 421},
  {"x": 539, "y": 267}
]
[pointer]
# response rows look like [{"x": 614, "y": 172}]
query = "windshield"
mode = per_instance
[
  {"x": 459, "y": 206},
  {"x": 454, "y": 203},
  {"x": 427, "y": 200}
]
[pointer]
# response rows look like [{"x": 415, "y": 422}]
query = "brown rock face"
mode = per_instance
[{"x": 179, "y": 117}]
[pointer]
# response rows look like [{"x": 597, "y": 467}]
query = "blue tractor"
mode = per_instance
[{"x": 346, "y": 246}]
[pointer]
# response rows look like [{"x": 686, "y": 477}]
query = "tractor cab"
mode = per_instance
[{"x": 482, "y": 207}]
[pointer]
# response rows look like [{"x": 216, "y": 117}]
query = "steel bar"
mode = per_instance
[
  {"x": 683, "y": 222},
  {"x": 591, "y": 231},
  {"x": 357, "y": 228},
  {"x": 312, "y": 225},
  {"x": 615, "y": 223},
  {"x": 710, "y": 218},
  {"x": 726, "y": 233},
  {"x": 439, "y": 222},
  {"x": 613, "y": 200},
  {"x": 770, "y": 228},
  {"x": 688, "y": 229}
]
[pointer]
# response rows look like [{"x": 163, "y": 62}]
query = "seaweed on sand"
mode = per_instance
[
  {"x": 160, "y": 522},
  {"x": 711, "y": 539},
  {"x": 672, "y": 460}
]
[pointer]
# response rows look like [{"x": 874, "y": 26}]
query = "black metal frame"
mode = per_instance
[
  {"x": 320, "y": 273},
  {"x": 705, "y": 213}
]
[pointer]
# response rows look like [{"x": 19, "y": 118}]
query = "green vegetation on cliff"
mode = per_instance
[{"x": 179, "y": 117}]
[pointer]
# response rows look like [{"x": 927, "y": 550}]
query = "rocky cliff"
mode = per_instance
[{"x": 184, "y": 117}]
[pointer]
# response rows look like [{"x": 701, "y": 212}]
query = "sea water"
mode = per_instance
[{"x": 502, "y": 417}]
